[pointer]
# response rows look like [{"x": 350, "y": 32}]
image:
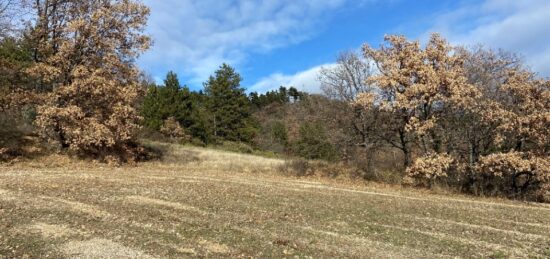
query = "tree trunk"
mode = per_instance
[
  {"x": 474, "y": 153},
  {"x": 408, "y": 158},
  {"x": 369, "y": 157},
  {"x": 405, "y": 148},
  {"x": 61, "y": 136}
]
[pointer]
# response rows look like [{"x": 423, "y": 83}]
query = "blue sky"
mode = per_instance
[{"x": 286, "y": 42}]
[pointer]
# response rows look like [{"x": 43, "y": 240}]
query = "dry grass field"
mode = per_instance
[{"x": 204, "y": 203}]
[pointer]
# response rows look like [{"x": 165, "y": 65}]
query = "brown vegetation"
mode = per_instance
[
  {"x": 451, "y": 111},
  {"x": 469, "y": 119},
  {"x": 90, "y": 108},
  {"x": 172, "y": 129},
  {"x": 207, "y": 203}
]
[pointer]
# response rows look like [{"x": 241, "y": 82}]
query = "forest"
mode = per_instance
[{"x": 424, "y": 114}]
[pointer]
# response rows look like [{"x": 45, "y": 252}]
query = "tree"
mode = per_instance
[
  {"x": 417, "y": 85},
  {"x": 280, "y": 96},
  {"x": 312, "y": 143},
  {"x": 525, "y": 113},
  {"x": 169, "y": 100},
  {"x": 50, "y": 30},
  {"x": 512, "y": 113},
  {"x": 279, "y": 133},
  {"x": 515, "y": 111},
  {"x": 295, "y": 94},
  {"x": 10, "y": 12},
  {"x": 175, "y": 100},
  {"x": 228, "y": 106},
  {"x": 281, "y": 126},
  {"x": 201, "y": 126},
  {"x": 345, "y": 82},
  {"x": 151, "y": 108},
  {"x": 15, "y": 97},
  {"x": 348, "y": 78},
  {"x": 15, "y": 57},
  {"x": 479, "y": 118},
  {"x": 487, "y": 71},
  {"x": 92, "y": 107}
]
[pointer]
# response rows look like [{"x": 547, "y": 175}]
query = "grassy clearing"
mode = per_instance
[{"x": 201, "y": 202}]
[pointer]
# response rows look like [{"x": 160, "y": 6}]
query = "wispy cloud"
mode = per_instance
[
  {"x": 194, "y": 37},
  {"x": 304, "y": 80},
  {"x": 518, "y": 26}
]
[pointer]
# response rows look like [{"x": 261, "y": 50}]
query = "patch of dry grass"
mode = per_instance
[
  {"x": 207, "y": 203},
  {"x": 152, "y": 202},
  {"x": 100, "y": 248}
]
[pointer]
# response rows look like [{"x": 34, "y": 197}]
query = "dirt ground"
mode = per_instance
[{"x": 205, "y": 203}]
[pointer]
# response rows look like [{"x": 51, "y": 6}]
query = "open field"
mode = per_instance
[{"x": 204, "y": 203}]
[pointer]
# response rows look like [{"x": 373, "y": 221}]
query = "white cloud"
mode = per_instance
[
  {"x": 194, "y": 37},
  {"x": 307, "y": 81},
  {"x": 518, "y": 26}
]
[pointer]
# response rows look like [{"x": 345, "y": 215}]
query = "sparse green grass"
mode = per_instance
[{"x": 200, "y": 202}]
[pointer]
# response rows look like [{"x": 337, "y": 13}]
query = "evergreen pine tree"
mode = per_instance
[
  {"x": 163, "y": 102},
  {"x": 201, "y": 124},
  {"x": 150, "y": 108},
  {"x": 175, "y": 100},
  {"x": 229, "y": 106}
]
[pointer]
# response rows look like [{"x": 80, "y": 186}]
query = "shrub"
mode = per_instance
[
  {"x": 297, "y": 167},
  {"x": 303, "y": 168},
  {"x": 382, "y": 176},
  {"x": 334, "y": 170},
  {"x": 172, "y": 129},
  {"x": 16, "y": 136},
  {"x": 7, "y": 154},
  {"x": 426, "y": 170},
  {"x": 197, "y": 142},
  {"x": 238, "y": 147},
  {"x": 279, "y": 133},
  {"x": 313, "y": 143},
  {"x": 514, "y": 174}
]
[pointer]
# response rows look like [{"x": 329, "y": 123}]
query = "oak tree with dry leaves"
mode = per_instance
[
  {"x": 90, "y": 66},
  {"x": 463, "y": 116}
]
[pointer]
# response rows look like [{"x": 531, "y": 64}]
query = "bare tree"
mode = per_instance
[
  {"x": 344, "y": 82},
  {"x": 347, "y": 78},
  {"x": 11, "y": 12}
]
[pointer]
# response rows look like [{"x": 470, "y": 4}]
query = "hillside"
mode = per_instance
[{"x": 200, "y": 202}]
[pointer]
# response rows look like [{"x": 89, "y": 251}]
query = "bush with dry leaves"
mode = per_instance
[{"x": 172, "y": 129}]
